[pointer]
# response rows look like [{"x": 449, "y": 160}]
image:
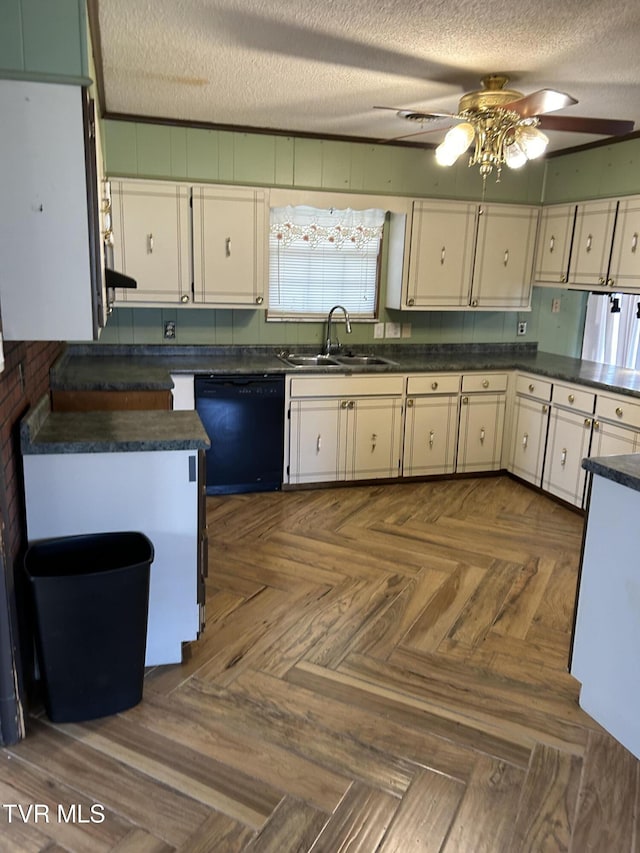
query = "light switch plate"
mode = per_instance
[
  {"x": 555, "y": 306},
  {"x": 392, "y": 330}
]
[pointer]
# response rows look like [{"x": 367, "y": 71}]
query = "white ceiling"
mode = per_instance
[{"x": 321, "y": 67}]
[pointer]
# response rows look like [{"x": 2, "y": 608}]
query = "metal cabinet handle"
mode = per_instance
[
  {"x": 149, "y": 244},
  {"x": 344, "y": 404},
  {"x": 259, "y": 300},
  {"x": 525, "y": 440},
  {"x": 411, "y": 301},
  {"x": 227, "y": 247},
  {"x": 374, "y": 439},
  {"x": 184, "y": 297},
  {"x": 532, "y": 387},
  {"x": 596, "y": 424},
  {"x": 552, "y": 244},
  {"x": 465, "y": 401},
  {"x": 601, "y": 280},
  {"x": 563, "y": 456},
  {"x": 506, "y": 257},
  {"x": 485, "y": 383},
  {"x": 352, "y": 404},
  {"x": 481, "y": 435},
  {"x": 431, "y": 437},
  {"x": 587, "y": 422},
  {"x": 443, "y": 253},
  {"x": 634, "y": 242},
  {"x": 611, "y": 282},
  {"x": 619, "y": 412},
  {"x": 318, "y": 443},
  {"x": 571, "y": 398},
  {"x": 434, "y": 386},
  {"x": 474, "y": 303},
  {"x": 589, "y": 242},
  {"x": 545, "y": 409},
  {"x": 409, "y": 403}
]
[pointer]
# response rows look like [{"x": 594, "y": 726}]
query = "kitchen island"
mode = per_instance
[
  {"x": 606, "y": 634},
  {"x": 91, "y": 472}
]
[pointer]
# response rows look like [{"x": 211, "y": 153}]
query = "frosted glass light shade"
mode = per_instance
[
  {"x": 455, "y": 143},
  {"x": 532, "y": 141},
  {"x": 514, "y": 155}
]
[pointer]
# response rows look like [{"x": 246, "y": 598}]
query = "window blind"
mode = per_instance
[{"x": 320, "y": 258}]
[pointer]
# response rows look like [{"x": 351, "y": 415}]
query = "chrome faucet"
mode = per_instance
[{"x": 347, "y": 322}]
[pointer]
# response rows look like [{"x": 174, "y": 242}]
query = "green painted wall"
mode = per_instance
[
  {"x": 44, "y": 40},
  {"x": 605, "y": 171}
]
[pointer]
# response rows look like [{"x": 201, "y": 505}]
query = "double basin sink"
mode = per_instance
[{"x": 336, "y": 360}]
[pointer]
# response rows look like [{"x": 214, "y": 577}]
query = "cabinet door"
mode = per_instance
[
  {"x": 504, "y": 257},
  {"x": 45, "y": 279},
  {"x": 151, "y": 240},
  {"x": 317, "y": 440},
  {"x": 528, "y": 438},
  {"x": 592, "y": 243},
  {"x": 624, "y": 272},
  {"x": 374, "y": 434},
  {"x": 481, "y": 432},
  {"x": 553, "y": 245},
  {"x": 613, "y": 439},
  {"x": 568, "y": 444},
  {"x": 430, "y": 435},
  {"x": 229, "y": 244},
  {"x": 441, "y": 254}
]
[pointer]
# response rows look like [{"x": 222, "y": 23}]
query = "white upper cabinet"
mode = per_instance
[
  {"x": 230, "y": 245},
  {"x": 591, "y": 250},
  {"x": 441, "y": 254},
  {"x": 504, "y": 256},
  {"x": 553, "y": 248},
  {"x": 464, "y": 255},
  {"x": 624, "y": 270},
  {"x": 50, "y": 285},
  {"x": 151, "y": 227}
]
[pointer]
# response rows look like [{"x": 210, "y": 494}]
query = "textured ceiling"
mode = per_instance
[{"x": 321, "y": 67}]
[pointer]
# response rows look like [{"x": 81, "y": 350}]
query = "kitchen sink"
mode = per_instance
[
  {"x": 299, "y": 360},
  {"x": 364, "y": 360}
]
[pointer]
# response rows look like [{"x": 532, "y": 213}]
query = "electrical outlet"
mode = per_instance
[
  {"x": 378, "y": 330},
  {"x": 170, "y": 329},
  {"x": 522, "y": 328},
  {"x": 555, "y": 306},
  {"x": 406, "y": 330},
  {"x": 392, "y": 330}
]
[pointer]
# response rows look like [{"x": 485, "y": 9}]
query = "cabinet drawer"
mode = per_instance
[
  {"x": 533, "y": 386},
  {"x": 346, "y": 386},
  {"x": 484, "y": 382},
  {"x": 573, "y": 398},
  {"x": 618, "y": 410},
  {"x": 434, "y": 383}
]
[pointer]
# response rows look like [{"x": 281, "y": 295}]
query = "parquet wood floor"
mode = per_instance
[{"x": 383, "y": 669}]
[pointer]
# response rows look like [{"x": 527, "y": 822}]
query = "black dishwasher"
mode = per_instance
[{"x": 244, "y": 418}]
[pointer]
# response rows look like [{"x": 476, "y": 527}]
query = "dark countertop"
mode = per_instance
[
  {"x": 136, "y": 367},
  {"x": 623, "y": 469},
  {"x": 43, "y": 431}
]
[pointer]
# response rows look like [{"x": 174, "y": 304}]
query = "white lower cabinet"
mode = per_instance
[
  {"x": 570, "y": 429},
  {"x": 481, "y": 430},
  {"x": 431, "y": 425},
  {"x": 530, "y": 422},
  {"x": 616, "y": 428},
  {"x": 344, "y": 428}
]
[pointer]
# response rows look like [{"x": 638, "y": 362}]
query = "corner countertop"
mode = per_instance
[
  {"x": 43, "y": 431},
  {"x": 110, "y": 367},
  {"x": 623, "y": 469}
]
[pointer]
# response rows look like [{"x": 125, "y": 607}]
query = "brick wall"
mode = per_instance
[{"x": 24, "y": 381}]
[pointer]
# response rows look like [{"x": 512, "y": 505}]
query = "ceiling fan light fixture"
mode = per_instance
[
  {"x": 455, "y": 143},
  {"x": 514, "y": 155},
  {"x": 532, "y": 141}
]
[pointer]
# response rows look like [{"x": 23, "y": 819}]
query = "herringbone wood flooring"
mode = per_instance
[{"x": 383, "y": 669}]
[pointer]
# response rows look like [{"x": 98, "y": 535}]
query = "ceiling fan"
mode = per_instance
[{"x": 506, "y": 125}]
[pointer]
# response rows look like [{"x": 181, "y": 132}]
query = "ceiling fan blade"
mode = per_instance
[
  {"x": 602, "y": 126},
  {"x": 542, "y": 101},
  {"x": 417, "y": 116},
  {"x": 409, "y": 135}
]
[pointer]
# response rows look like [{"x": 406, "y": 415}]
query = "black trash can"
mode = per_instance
[{"x": 90, "y": 597}]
